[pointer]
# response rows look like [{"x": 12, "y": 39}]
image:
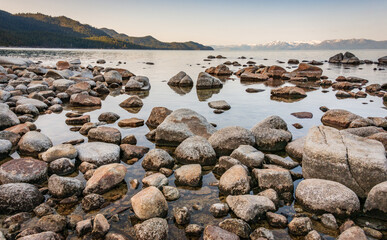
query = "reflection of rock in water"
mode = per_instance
[
  {"x": 307, "y": 86},
  {"x": 114, "y": 92},
  {"x": 140, "y": 94},
  {"x": 181, "y": 90},
  {"x": 81, "y": 110},
  {"x": 274, "y": 82},
  {"x": 285, "y": 99},
  {"x": 205, "y": 94}
]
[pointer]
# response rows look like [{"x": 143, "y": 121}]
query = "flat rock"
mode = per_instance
[
  {"x": 23, "y": 170},
  {"x": 302, "y": 115},
  {"x": 288, "y": 92},
  {"x": 339, "y": 118},
  {"x": 248, "y": 207},
  {"x": 248, "y": 156},
  {"x": 105, "y": 134},
  {"x": 227, "y": 139},
  {"x": 221, "y": 104},
  {"x": 59, "y": 151},
  {"x": 84, "y": 99},
  {"x": 98, "y": 153},
  {"x": 277, "y": 179},
  {"x": 131, "y": 122}
]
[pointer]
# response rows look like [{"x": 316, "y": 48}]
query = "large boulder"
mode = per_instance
[
  {"x": 181, "y": 79},
  {"x": 19, "y": 197},
  {"x": 320, "y": 195},
  {"x": 248, "y": 156},
  {"x": 62, "y": 187},
  {"x": 227, "y": 139},
  {"x": 196, "y": 149},
  {"x": 7, "y": 117},
  {"x": 180, "y": 125},
  {"x": 149, "y": 203},
  {"x": 23, "y": 170},
  {"x": 157, "y": 116},
  {"x": 235, "y": 181},
  {"x": 377, "y": 198},
  {"x": 156, "y": 159},
  {"x": 248, "y": 207},
  {"x": 33, "y": 143},
  {"x": 98, "y": 153},
  {"x": 271, "y": 134},
  {"x": 356, "y": 162},
  {"x": 206, "y": 81},
  {"x": 154, "y": 228},
  {"x": 339, "y": 118},
  {"x": 138, "y": 83},
  {"x": 105, "y": 178}
]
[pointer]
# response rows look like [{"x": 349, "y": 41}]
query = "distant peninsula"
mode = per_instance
[{"x": 39, "y": 30}]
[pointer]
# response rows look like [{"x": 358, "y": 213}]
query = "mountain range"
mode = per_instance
[
  {"x": 336, "y": 44},
  {"x": 39, "y": 30}
]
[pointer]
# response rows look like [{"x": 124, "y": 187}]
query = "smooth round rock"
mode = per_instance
[
  {"x": 149, "y": 203},
  {"x": 33, "y": 143},
  {"x": 98, "y": 153},
  {"x": 19, "y": 197},
  {"x": 23, "y": 170}
]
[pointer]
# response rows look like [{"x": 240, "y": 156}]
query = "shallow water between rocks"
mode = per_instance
[{"x": 247, "y": 109}]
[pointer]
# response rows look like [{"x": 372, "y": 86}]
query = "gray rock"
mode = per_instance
[
  {"x": 98, "y": 153},
  {"x": 221, "y": 104},
  {"x": 329, "y": 221},
  {"x": 7, "y": 117},
  {"x": 262, "y": 233},
  {"x": 156, "y": 159},
  {"x": 92, "y": 201},
  {"x": 100, "y": 226},
  {"x": 49, "y": 235},
  {"x": 327, "y": 196},
  {"x": 5, "y": 148},
  {"x": 180, "y": 125},
  {"x": 356, "y": 162},
  {"x": 235, "y": 181},
  {"x": 377, "y": 198},
  {"x": 277, "y": 179},
  {"x": 23, "y": 170},
  {"x": 41, "y": 106},
  {"x": 271, "y": 134},
  {"x": 196, "y": 150},
  {"x": 181, "y": 215},
  {"x": 59, "y": 151},
  {"x": 171, "y": 193},
  {"x": 19, "y": 197},
  {"x": 112, "y": 77},
  {"x": 62, "y": 187},
  {"x": 248, "y": 207},
  {"x": 283, "y": 162},
  {"x": 181, "y": 79},
  {"x": 248, "y": 156},
  {"x": 33, "y": 143},
  {"x": 138, "y": 83},
  {"x": 155, "y": 228},
  {"x": 206, "y": 81},
  {"x": 149, "y": 203},
  {"x": 109, "y": 117},
  {"x": 61, "y": 166},
  {"x": 295, "y": 148},
  {"x": 227, "y": 139}
]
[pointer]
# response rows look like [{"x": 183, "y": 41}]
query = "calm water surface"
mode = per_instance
[{"x": 247, "y": 109}]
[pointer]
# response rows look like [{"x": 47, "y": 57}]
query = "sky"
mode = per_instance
[{"x": 223, "y": 22}]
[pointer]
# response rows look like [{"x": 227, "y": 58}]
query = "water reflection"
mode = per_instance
[
  {"x": 205, "y": 94},
  {"x": 181, "y": 90}
]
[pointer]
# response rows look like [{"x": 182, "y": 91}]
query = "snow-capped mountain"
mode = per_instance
[{"x": 310, "y": 45}]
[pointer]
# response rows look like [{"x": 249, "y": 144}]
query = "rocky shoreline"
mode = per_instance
[{"x": 79, "y": 190}]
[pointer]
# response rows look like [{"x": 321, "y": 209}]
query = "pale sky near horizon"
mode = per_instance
[{"x": 223, "y": 22}]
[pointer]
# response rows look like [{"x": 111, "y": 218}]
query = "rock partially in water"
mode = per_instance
[
  {"x": 92, "y": 201},
  {"x": 85, "y": 100},
  {"x": 327, "y": 196},
  {"x": 100, "y": 226},
  {"x": 156, "y": 179},
  {"x": 288, "y": 92},
  {"x": 138, "y": 83},
  {"x": 219, "y": 209},
  {"x": 149, "y": 203},
  {"x": 131, "y": 122},
  {"x": 235, "y": 181},
  {"x": 41, "y": 106},
  {"x": 105, "y": 178},
  {"x": 277, "y": 179},
  {"x": 353, "y": 233},
  {"x": 271, "y": 134},
  {"x": 221, "y": 104},
  {"x": 27, "y": 109},
  {"x": 98, "y": 153},
  {"x": 156, "y": 159},
  {"x": 155, "y": 228},
  {"x": 19, "y": 197},
  {"x": 62, "y": 187},
  {"x": 262, "y": 233},
  {"x": 181, "y": 79},
  {"x": 194, "y": 230},
  {"x": 248, "y": 156},
  {"x": 377, "y": 198},
  {"x": 180, "y": 125},
  {"x": 53, "y": 223},
  {"x": 329, "y": 221},
  {"x": 132, "y": 102},
  {"x": 248, "y": 207},
  {"x": 189, "y": 175},
  {"x": 236, "y": 226},
  {"x": 339, "y": 118},
  {"x": 214, "y": 232},
  {"x": 181, "y": 215},
  {"x": 23, "y": 170},
  {"x": 171, "y": 193},
  {"x": 7, "y": 117},
  {"x": 206, "y": 81},
  {"x": 356, "y": 162},
  {"x": 196, "y": 150},
  {"x": 59, "y": 151},
  {"x": 132, "y": 151},
  {"x": 308, "y": 71},
  {"x": 157, "y": 116},
  {"x": 33, "y": 143},
  {"x": 109, "y": 117},
  {"x": 300, "y": 226},
  {"x": 220, "y": 70},
  {"x": 227, "y": 139},
  {"x": 112, "y": 77},
  {"x": 105, "y": 134},
  {"x": 276, "y": 220}
]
